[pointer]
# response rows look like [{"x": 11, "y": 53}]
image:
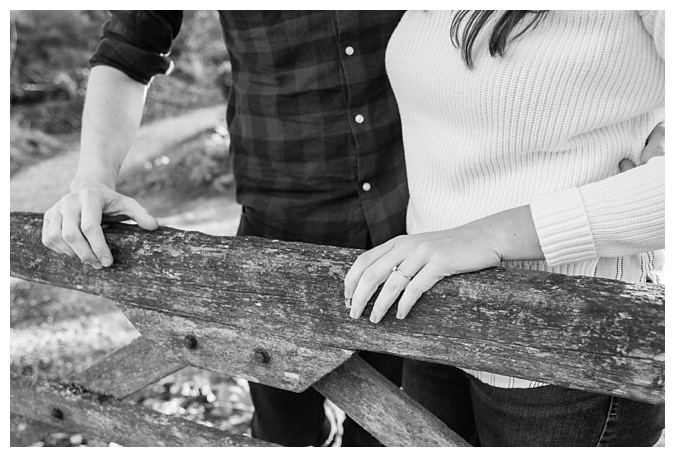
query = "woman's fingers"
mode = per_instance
[
  {"x": 423, "y": 281},
  {"x": 364, "y": 261},
  {"x": 370, "y": 280},
  {"x": 397, "y": 281}
]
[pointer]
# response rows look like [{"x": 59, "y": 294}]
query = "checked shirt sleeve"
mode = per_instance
[{"x": 138, "y": 43}]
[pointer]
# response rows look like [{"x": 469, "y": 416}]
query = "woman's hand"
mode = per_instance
[
  {"x": 420, "y": 261},
  {"x": 412, "y": 264}
]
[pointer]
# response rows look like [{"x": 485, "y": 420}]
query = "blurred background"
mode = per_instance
[{"x": 179, "y": 169}]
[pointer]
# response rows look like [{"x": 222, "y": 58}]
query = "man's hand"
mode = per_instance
[
  {"x": 656, "y": 145},
  {"x": 73, "y": 225}
]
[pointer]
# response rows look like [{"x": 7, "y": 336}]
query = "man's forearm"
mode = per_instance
[{"x": 112, "y": 114}]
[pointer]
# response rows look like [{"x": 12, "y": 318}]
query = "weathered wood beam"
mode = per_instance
[
  {"x": 96, "y": 416},
  {"x": 587, "y": 333},
  {"x": 128, "y": 369},
  {"x": 383, "y": 409},
  {"x": 255, "y": 356}
]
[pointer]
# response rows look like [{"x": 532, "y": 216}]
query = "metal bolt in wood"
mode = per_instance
[
  {"x": 190, "y": 342},
  {"x": 262, "y": 356}
]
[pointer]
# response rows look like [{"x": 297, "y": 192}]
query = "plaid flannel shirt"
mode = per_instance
[{"x": 315, "y": 130}]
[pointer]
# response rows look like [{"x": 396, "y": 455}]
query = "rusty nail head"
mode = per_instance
[
  {"x": 190, "y": 342},
  {"x": 262, "y": 356},
  {"x": 57, "y": 413}
]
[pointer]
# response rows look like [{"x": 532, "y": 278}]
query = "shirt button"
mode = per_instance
[
  {"x": 359, "y": 118},
  {"x": 366, "y": 186},
  {"x": 349, "y": 50}
]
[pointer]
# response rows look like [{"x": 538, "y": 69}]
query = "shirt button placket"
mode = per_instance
[{"x": 359, "y": 119}]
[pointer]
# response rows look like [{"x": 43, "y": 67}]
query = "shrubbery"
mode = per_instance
[
  {"x": 49, "y": 67},
  {"x": 48, "y": 75}
]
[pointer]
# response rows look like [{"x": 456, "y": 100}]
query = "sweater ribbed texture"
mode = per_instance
[{"x": 545, "y": 125}]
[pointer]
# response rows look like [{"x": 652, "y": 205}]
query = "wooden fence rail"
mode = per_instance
[{"x": 273, "y": 312}]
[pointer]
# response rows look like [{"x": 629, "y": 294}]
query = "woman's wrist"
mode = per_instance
[{"x": 511, "y": 233}]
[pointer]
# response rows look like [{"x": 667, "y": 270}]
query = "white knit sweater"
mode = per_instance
[{"x": 545, "y": 125}]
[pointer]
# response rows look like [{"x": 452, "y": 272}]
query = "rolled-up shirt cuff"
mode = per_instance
[
  {"x": 125, "y": 57},
  {"x": 563, "y": 227}
]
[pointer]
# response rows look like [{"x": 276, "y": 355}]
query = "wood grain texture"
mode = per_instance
[
  {"x": 383, "y": 409},
  {"x": 96, "y": 416},
  {"x": 593, "y": 334},
  {"x": 128, "y": 369},
  {"x": 255, "y": 356}
]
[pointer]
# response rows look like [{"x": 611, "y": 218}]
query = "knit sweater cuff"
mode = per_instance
[{"x": 563, "y": 227}]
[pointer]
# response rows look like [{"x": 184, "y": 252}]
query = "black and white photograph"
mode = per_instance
[{"x": 337, "y": 228}]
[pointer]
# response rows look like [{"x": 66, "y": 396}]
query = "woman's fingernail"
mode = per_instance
[
  {"x": 97, "y": 265},
  {"x": 106, "y": 261},
  {"x": 348, "y": 302},
  {"x": 400, "y": 315},
  {"x": 374, "y": 318}
]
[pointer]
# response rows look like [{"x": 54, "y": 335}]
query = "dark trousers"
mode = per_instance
[
  {"x": 298, "y": 419},
  {"x": 543, "y": 416}
]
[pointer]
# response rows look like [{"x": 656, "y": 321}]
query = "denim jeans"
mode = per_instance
[
  {"x": 543, "y": 416},
  {"x": 298, "y": 419}
]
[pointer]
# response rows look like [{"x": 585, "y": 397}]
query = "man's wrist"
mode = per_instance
[{"x": 79, "y": 183}]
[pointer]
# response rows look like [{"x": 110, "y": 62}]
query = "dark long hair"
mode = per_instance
[{"x": 476, "y": 20}]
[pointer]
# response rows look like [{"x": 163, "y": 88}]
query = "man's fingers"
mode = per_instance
[
  {"x": 654, "y": 147},
  {"x": 73, "y": 237},
  {"x": 90, "y": 226},
  {"x": 51, "y": 234},
  {"x": 656, "y": 144},
  {"x": 135, "y": 211},
  {"x": 73, "y": 225},
  {"x": 652, "y": 150},
  {"x": 626, "y": 164}
]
